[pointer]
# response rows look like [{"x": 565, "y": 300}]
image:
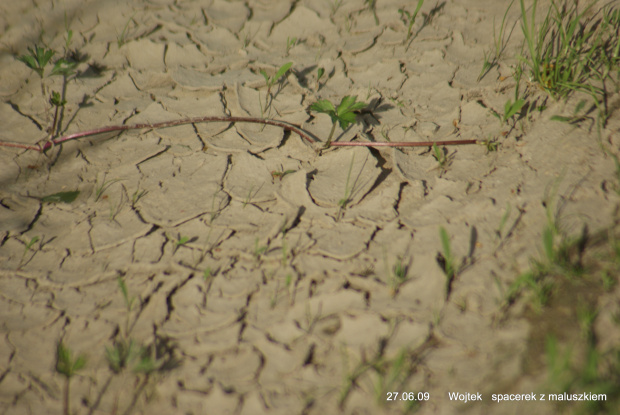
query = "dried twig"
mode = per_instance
[{"x": 164, "y": 124}]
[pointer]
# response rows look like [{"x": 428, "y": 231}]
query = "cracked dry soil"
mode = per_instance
[{"x": 258, "y": 292}]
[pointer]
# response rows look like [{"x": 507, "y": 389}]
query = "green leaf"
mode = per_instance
[
  {"x": 29, "y": 61},
  {"x": 324, "y": 106},
  {"x": 64, "y": 197},
  {"x": 319, "y": 73},
  {"x": 283, "y": 69},
  {"x": 346, "y": 119},
  {"x": 63, "y": 67},
  {"x": 262, "y": 72},
  {"x": 348, "y": 104}
]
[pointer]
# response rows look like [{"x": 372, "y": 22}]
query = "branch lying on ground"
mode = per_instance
[{"x": 282, "y": 124}]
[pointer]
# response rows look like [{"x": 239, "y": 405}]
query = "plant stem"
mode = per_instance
[
  {"x": 331, "y": 135},
  {"x": 66, "y": 396},
  {"x": 282, "y": 124}
]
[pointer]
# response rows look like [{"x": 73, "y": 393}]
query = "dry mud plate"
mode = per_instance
[{"x": 231, "y": 268}]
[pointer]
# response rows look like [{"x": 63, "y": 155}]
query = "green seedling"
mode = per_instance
[
  {"x": 500, "y": 45},
  {"x": 121, "y": 354},
  {"x": 290, "y": 43},
  {"x": 399, "y": 275},
  {"x": 335, "y": 5},
  {"x": 446, "y": 260},
  {"x": 502, "y": 223},
  {"x": 372, "y": 6},
  {"x": 490, "y": 144},
  {"x": 57, "y": 102},
  {"x": 68, "y": 367},
  {"x": 319, "y": 74},
  {"x": 121, "y": 38},
  {"x": 270, "y": 81},
  {"x": 342, "y": 203},
  {"x": 68, "y": 34},
  {"x": 28, "y": 247},
  {"x": 182, "y": 240},
  {"x": 343, "y": 115},
  {"x": 510, "y": 110},
  {"x": 280, "y": 174},
  {"x": 137, "y": 195},
  {"x": 440, "y": 156},
  {"x": 258, "y": 249},
  {"x": 410, "y": 18},
  {"x": 129, "y": 303}
]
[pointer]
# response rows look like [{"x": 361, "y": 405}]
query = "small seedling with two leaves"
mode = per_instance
[
  {"x": 271, "y": 81},
  {"x": 344, "y": 114}
]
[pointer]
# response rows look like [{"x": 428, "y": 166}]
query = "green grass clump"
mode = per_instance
[{"x": 574, "y": 49}]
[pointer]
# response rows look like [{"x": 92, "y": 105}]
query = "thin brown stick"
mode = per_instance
[{"x": 230, "y": 119}]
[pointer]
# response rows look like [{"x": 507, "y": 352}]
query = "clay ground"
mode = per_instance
[{"x": 257, "y": 292}]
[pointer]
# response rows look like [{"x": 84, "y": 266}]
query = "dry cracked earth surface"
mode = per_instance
[{"x": 250, "y": 286}]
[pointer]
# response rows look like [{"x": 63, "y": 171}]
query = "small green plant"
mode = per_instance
[
  {"x": 121, "y": 38},
  {"x": 319, "y": 74},
  {"x": 290, "y": 44},
  {"x": 510, "y": 110},
  {"x": 399, "y": 275},
  {"x": 27, "y": 248},
  {"x": 68, "y": 367},
  {"x": 182, "y": 240},
  {"x": 342, "y": 203},
  {"x": 270, "y": 81},
  {"x": 335, "y": 5},
  {"x": 410, "y": 18},
  {"x": 344, "y": 114},
  {"x": 446, "y": 260},
  {"x": 38, "y": 59},
  {"x": 499, "y": 42},
  {"x": 372, "y": 6},
  {"x": 259, "y": 249},
  {"x": 137, "y": 195},
  {"x": 281, "y": 173},
  {"x": 440, "y": 156},
  {"x": 502, "y": 223}
]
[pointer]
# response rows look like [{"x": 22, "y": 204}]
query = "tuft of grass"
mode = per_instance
[
  {"x": 344, "y": 114},
  {"x": 67, "y": 366},
  {"x": 569, "y": 52}
]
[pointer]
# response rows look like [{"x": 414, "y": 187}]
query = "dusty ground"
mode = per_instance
[{"x": 261, "y": 294}]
